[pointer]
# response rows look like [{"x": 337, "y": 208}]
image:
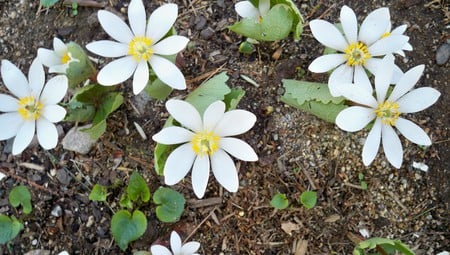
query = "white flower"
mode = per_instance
[
  {"x": 189, "y": 248},
  {"x": 139, "y": 46},
  {"x": 34, "y": 107},
  {"x": 247, "y": 10},
  {"x": 357, "y": 50},
  {"x": 386, "y": 111},
  {"x": 58, "y": 59},
  {"x": 398, "y": 31},
  {"x": 206, "y": 144}
]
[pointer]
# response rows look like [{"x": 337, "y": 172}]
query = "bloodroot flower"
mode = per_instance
[
  {"x": 58, "y": 59},
  {"x": 206, "y": 144},
  {"x": 139, "y": 46},
  {"x": 247, "y": 10},
  {"x": 34, "y": 107},
  {"x": 177, "y": 247},
  {"x": 357, "y": 51},
  {"x": 387, "y": 112}
]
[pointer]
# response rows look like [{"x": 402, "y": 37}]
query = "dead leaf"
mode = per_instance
[
  {"x": 301, "y": 247},
  {"x": 332, "y": 218},
  {"x": 288, "y": 227}
]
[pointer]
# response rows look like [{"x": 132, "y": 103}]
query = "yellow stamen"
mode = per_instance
[
  {"x": 140, "y": 48},
  {"x": 66, "y": 58},
  {"x": 386, "y": 34},
  {"x": 356, "y": 54},
  {"x": 30, "y": 108},
  {"x": 388, "y": 112},
  {"x": 205, "y": 143}
]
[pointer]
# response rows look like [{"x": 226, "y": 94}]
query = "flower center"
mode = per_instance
[
  {"x": 386, "y": 34},
  {"x": 356, "y": 54},
  {"x": 205, "y": 143},
  {"x": 30, "y": 108},
  {"x": 140, "y": 48},
  {"x": 388, "y": 112},
  {"x": 66, "y": 58}
]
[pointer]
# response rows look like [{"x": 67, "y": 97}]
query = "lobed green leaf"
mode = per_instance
[
  {"x": 308, "y": 199},
  {"x": 9, "y": 228},
  {"x": 20, "y": 195},
  {"x": 126, "y": 227},
  {"x": 279, "y": 201},
  {"x": 98, "y": 193},
  {"x": 137, "y": 188},
  {"x": 170, "y": 204}
]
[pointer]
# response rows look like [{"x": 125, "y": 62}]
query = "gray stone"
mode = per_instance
[
  {"x": 78, "y": 141},
  {"x": 63, "y": 177},
  {"x": 443, "y": 54}
]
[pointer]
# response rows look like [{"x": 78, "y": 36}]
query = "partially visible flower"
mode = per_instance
[
  {"x": 139, "y": 46},
  {"x": 247, "y": 10},
  {"x": 387, "y": 112},
  {"x": 177, "y": 247},
  {"x": 358, "y": 49},
  {"x": 398, "y": 31},
  {"x": 58, "y": 59},
  {"x": 206, "y": 144},
  {"x": 33, "y": 109}
]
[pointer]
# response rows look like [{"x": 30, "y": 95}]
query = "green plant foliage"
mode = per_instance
[
  {"x": 125, "y": 201},
  {"x": 9, "y": 228},
  {"x": 210, "y": 91},
  {"x": 314, "y": 98},
  {"x": 157, "y": 89},
  {"x": 387, "y": 245},
  {"x": 246, "y": 47},
  {"x": 308, "y": 199},
  {"x": 126, "y": 227},
  {"x": 279, "y": 201},
  {"x": 20, "y": 195},
  {"x": 137, "y": 188},
  {"x": 170, "y": 204},
  {"x": 98, "y": 193},
  {"x": 142, "y": 253},
  {"x": 48, "y": 3},
  {"x": 80, "y": 70},
  {"x": 297, "y": 26}
]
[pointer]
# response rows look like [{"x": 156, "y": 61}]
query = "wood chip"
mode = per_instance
[
  {"x": 301, "y": 247},
  {"x": 332, "y": 218},
  {"x": 140, "y": 131},
  {"x": 32, "y": 166},
  {"x": 194, "y": 203},
  {"x": 288, "y": 227}
]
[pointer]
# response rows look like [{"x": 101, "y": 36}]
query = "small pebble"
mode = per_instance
[
  {"x": 206, "y": 33},
  {"x": 57, "y": 211},
  {"x": 34, "y": 242},
  {"x": 443, "y": 54}
]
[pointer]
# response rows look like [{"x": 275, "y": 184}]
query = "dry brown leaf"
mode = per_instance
[
  {"x": 332, "y": 218},
  {"x": 288, "y": 227}
]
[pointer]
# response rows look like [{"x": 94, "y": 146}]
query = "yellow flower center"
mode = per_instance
[
  {"x": 30, "y": 108},
  {"x": 386, "y": 34},
  {"x": 205, "y": 143},
  {"x": 140, "y": 48},
  {"x": 66, "y": 58},
  {"x": 356, "y": 54},
  {"x": 388, "y": 112}
]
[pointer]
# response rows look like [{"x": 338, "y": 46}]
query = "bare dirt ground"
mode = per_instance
[{"x": 297, "y": 151}]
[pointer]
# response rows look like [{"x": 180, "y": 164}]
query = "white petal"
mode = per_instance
[
  {"x": 55, "y": 90},
  {"x": 358, "y": 94},
  {"x": 8, "y": 103},
  {"x": 185, "y": 114},
  {"x": 328, "y": 35},
  {"x": 46, "y": 133},
  {"x": 109, "y": 49},
  {"x": 392, "y": 146},
  {"x": 372, "y": 143},
  {"x": 117, "y": 71},
  {"x": 238, "y": 149},
  {"x": 9, "y": 125},
  {"x": 140, "y": 77},
  {"x": 383, "y": 77},
  {"x": 412, "y": 132},
  {"x": 361, "y": 79},
  {"x": 175, "y": 242},
  {"x": 200, "y": 175},
  {"x": 23, "y": 137},
  {"x": 235, "y": 122},
  {"x": 160, "y": 250},
  {"x": 59, "y": 69},
  {"x": 59, "y": 47},
  {"x": 161, "y": 20},
  {"x": 264, "y": 7},
  {"x": 190, "y": 248},
  {"x": 136, "y": 17},
  {"x": 374, "y": 26},
  {"x": 167, "y": 72},
  {"x": 326, "y": 62},
  {"x": 213, "y": 114},
  {"x": 396, "y": 74},
  {"x": 388, "y": 45},
  {"x": 36, "y": 77},
  {"x": 343, "y": 74},
  {"x": 349, "y": 24},
  {"x": 48, "y": 57},
  {"x": 406, "y": 82},
  {"x": 14, "y": 80},
  {"x": 170, "y": 45},
  {"x": 247, "y": 10},
  {"x": 178, "y": 164},
  {"x": 115, "y": 27},
  {"x": 54, "y": 113},
  {"x": 354, "y": 118},
  {"x": 418, "y": 100},
  {"x": 224, "y": 170},
  {"x": 372, "y": 65},
  {"x": 173, "y": 135}
]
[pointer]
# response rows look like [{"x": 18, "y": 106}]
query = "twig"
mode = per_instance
[
  {"x": 205, "y": 75},
  {"x": 199, "y": 225},
  {"x": 397, "y": 200},
  {"x": 31, "y": 183}
]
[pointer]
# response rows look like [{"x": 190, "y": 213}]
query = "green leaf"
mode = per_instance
[
  {"x": 308, "y": 199},
  {"x": 388, "y": 245},
  {"x": 158, "y": 89},
  {"x": 126, "y": 227},
  {"x": 137, "y": 188},
  {"x": 9, "y": 228},
  {"x": 141, "y": 253},
  {"x": 48, "y": 3},
  {"x": 314, "y": 98},
  {"x": 20, "y": 195},
  {"x": 98, "y": 193},
  {"x": 276, "y": 25},
  {"x": 79, "y": 112},
  {"x": 279, "y": 201},
  {"x": 95, "y": 131},
  {"x": 125, "y": 201},
  {"x": 81, "y": 68},
  {"x": 297, "y": 26},
  {"x": 232, "y": 99},
  {"x": 170, "y": 204}
]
